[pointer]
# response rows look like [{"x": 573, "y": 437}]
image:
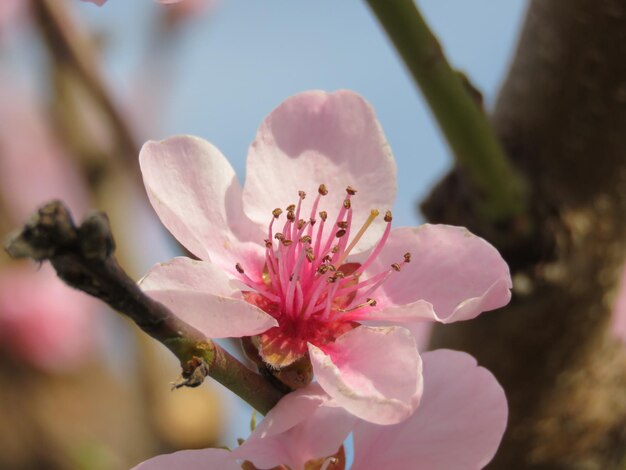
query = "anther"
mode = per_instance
[
  {"x": 312, "y": 222},
  {"x": 323, "y": 215},
  {"x": 407, "y": 257},
  {"x": 395, "y": 267},
  {"x": 347, "y": 204},
  {"x": 286, "y": 242},
  {"x": 301, "y": 223},
  {"x": 332, "y": 279},
  {"x": 290, "y": 207},
  {"x": 291, "y": 215},
  {"x": 301, "y": 194},
  {"x": 340, "y": 275},
  {"x": 239, "y": 268},
  {"x": 279, "y": 236},
  {"x": 323, "y": 268},
  {"x": 388, "y": 216},
  {"x": 276, "y": 212},
  {"x": 340, "y": 233},
  {"x": 310, "y": 256},
  {"x": 322, "y": 190},
  {"x": 268, "y": 243},
  {"x": 368, "y": 302},
  {"x": 335, "y": 248},
  {"x": 307, "y": 239},
  {"x": 326, "y": 258},
  {"x": 343, "y": 224},
  {"x": 351, "y": 191},
  {"x": 331, "y": 267}
]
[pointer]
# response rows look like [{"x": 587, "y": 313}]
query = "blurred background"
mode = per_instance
[{"x": 81, "y": 88}]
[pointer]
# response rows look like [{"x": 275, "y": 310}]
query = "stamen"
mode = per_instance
[
  {"x": 373, "y": 214},
  {"x": 291, "y": 207},
  {"x": 293, "y": 280},
  {"x": 301, "y": 195},
  {"x": 343, "y": 224},
  {"x": 340, "y": 233},
  {"x": 347, "y": 204},
  {"x": 330, "y": 298},
  {"x": 351, "y": 191},
  {"x": 276, "y": 212},
  {"x": 322, "y": 190},
  {"x": 323, "y": 215},
  {"x": 367, "y": 303}
]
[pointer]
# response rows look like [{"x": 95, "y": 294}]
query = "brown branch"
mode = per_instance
[
  {"x": 561, "y": 116},
  {"x": 83, "y": 258},
  {"x": 67, "y": 45}
]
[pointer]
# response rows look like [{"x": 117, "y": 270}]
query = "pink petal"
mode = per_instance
[
  {"x": 458, "y": 425},
  {"x": 317, "y": 137},
  {"x": 453, "y": 275},
  {"x": 201, "y": 459},
  {"x": 304, "y": 425},
  {"x": 199, "y": 293},
  {"x": 375, "y": 373},
  {"x": 195, "y": 192}
]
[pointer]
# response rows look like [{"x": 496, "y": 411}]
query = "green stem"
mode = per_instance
[{"x": 460, "y": 118}]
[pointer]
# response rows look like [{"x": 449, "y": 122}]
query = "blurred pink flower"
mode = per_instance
[
  {"x": 12, "y": 12},
  {"x": 459, "y": 424},
  {"x": 34, "y": 167},
  {"x": 307, "y": 288},
  {"x": 42, "y": 321}
]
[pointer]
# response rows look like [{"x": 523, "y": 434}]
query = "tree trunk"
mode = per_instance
[{"x": 561, "y": 116}]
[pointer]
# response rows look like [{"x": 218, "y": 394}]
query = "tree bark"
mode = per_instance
[{"x": 561, "y": 116}]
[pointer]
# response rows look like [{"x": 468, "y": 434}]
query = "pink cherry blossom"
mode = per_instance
[
  {"x": 459, "y": 425},
  {"x": 42, "y": 321},
  {"x": 303, "y": 257}
]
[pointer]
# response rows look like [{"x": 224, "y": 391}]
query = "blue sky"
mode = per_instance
[{"x": 229, "y": 69}]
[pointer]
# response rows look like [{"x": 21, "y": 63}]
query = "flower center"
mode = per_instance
[{"x": 308, "y": 285}]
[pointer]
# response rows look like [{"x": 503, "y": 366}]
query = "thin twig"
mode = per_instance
[
  {"x": 462, "y": 121},
  {"x": 83, "y": 258},
  {"x": 68, "y": 45}
]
